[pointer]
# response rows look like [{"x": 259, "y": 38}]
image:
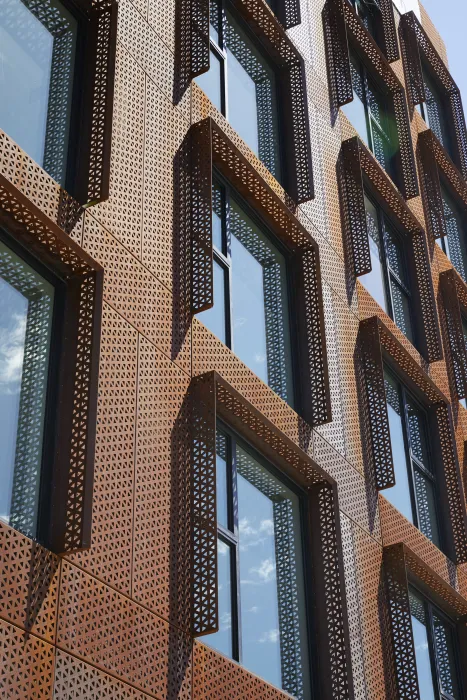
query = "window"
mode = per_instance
[
  {"x": 433, "y": 110},
  {"x": 388, "y": 280},
  {"x": 367, "y": 11},
  {"x": 414, "y": 493},
  {"x": 369, "y": 115},
  {"x": 26, "y": 380},
  {"x": 454, "y": 242},
  {"x": 251, "y": 293},
  {"x": 242, "y": 85},
  {"x": 435, "y": 642},
  {"x": 261, "y": 576},
  {"x": 39, "y": 42},
  {"x": 464, "y": 332}
]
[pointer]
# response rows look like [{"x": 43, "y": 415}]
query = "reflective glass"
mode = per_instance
[
  {"x": 210, "y": 82},
  {"x": 222, "y": 478},
  {"x": 456, "y": 233},
  {"x": 222, "y": 639},
  {"x": 355, "y": 111},
  {"x": 374, "y": 280},
  {"x": 398, "y": 495},
  {"x": 271, "y": 578},
  {"x": 445, "y": 656},
  {"x": 261, "y": 335},
  {"x": 426, "y": 507},
  {"x": 217, "y": 209},
  {"x": 422, "y": 649},
  {"x": 418, "y": 436},
  {"x": 434, "y": 112},
  {"x": 401, "y": 308},
  {"x": 26, "y": 312},
  {"x": 214, "y": 17},
  {"x": 215, "y": 317},
  {"x": 38, "y": 42},
  {"x": 251, "y": 96}
]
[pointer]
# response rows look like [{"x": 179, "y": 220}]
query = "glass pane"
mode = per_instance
[
  {"x": 215, "y": 317},
  {"x": 222, "y": 639},
  {"x": 418, "y": 434},
  {"x": 273, "y": 611},
  {"x": 395, "y": 253},
  {"x": 38, "y": 43},
  {"x": 222, "y": 478},
  {"x": 456, "y": 232},
  {"x": 434, "y": 111},
  {"x": 366, "y": 14},
  {"x": 210, "y": 82},
  {"x": 251, "y": 93},
  {"x": 401, "y": 309},
  {"x": 355, "y": 111},
  {"x": 374, "y": 280},
  {"x": 426, "y": 505},
  {"x": 422, "y": 649},
  {"x": 25, "y": 326},
  {"x": 445, "y": 655},
  {"x": 217, "y": 213},
  {"x": 398, "y": 495},
  {"x": 261, "y": 335}
]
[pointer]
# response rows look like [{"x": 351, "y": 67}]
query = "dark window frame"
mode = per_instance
[
  {"x": 406, "y": 397},
  {"x": 66, "y": 519},
  {"x": 384, "y": 223},
  {"x": 431, "y": 609},
  {"x": 454, "y": 303},
  {"x": 230, "y": 536},
  {"x": 87, "y": 173},
  {"x": 223, "y": 259}
]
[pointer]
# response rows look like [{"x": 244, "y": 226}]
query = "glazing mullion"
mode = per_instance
[
  {"x": 408, "y": 453},
  {"x": 432, "y": 647},
  {"x": 387, "y": 269},
  {"x": 236, "y": 617},
  {"x": 229, "y": 301},
  {"x": 364, "y": 79}
]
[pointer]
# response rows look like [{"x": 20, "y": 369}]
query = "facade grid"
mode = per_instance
[{"x": 201, "y": 500}]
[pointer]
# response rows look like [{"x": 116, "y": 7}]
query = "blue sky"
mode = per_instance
[{"x": 450, "y": 19}]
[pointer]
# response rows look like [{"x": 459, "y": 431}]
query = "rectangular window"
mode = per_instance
[
  {"x": 436, "y": 655},
  {"x": 369, "y": 15},
  {"x": 388, "y": 281},
  {"x": 39, "y": 42},
  {"x": 414, "y": 493},
  {"x": 261, "y": 579},
  {"x": 242, "y": 85},
  {"x": 433, "y": 111},
  {"x": 369, "y": 115},
  {"x": 26, "y": 319},
  {"x": 251, "y": 293},
  {"x": 454, "y": 243}
]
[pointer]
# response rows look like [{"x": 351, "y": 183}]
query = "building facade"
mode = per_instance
[{"x": 233, "y": 365}]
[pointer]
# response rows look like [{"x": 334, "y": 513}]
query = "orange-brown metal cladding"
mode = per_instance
[{"x": 117, "y": 620}]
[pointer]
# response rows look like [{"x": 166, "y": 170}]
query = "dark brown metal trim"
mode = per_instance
[
  {"x": 342, "y": 27},
  {"x": 288, "y": 13},
  {"x": 359, "y": 168},
  {"x": 449, "y": 282},
  {"x": 69, "y": 520},
  {"x": 416, "y": 45},
  {"x": 211, "y": 147},
  {"x": 214, "y": 396}
]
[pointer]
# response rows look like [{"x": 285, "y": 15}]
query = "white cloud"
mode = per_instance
[
  {"x": 222, "y": 548},
  {"x": 12, "y": 351},
  {"x": 245, "y": 528},
  {"x": 254, "y": 609},
  {"x": 267, "y": 526},
  {"x": 272, "y": 637},
  {"x": 260, "y": 358},
  {"x": 266, "y": 570},
  {"x": 225, "y": 621}
]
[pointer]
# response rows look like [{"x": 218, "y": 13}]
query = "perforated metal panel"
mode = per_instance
[
  {"x": 342, "y": 28},
  {"x": 449, "y": 283}
]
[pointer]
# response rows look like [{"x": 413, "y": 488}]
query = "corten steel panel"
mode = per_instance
[
  {"x": 165, "y": 196},
  {"x": 76, "y": 679},
  {"x": 210, "y": 147},
  {"x": 451, "y": 300},
  {"x": 26, "y": 665},
  {"x": 359, "y": 167},
  {"x": 162, "y": 542},
  {"x": 109, "y": 557},
  {"x": 29, "y": 590},
  {"x": 416, "y": 45},
  {"x": 215, "y": 676},
  {"x": 342, "y": 28},
  {"x": 68, "y": 523},
  {"x": 122, "y": 213},
  {"x": 212, "y": 397},
  {"x": 139, "y": 297},
  {"x": 99, "y": 625},
  {"x": 433, "y": 34},
  {"x": 433, "y": 162}
]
